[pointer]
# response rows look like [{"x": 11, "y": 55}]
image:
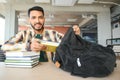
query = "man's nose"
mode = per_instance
[{"x": 37, "y": 20}]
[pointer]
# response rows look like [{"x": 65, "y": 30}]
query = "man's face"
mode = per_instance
[{"x": 36, "y": 20}]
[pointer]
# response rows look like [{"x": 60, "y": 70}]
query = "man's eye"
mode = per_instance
[{"x": 32, "y": 17}]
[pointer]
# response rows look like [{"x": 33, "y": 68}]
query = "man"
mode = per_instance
[{"x": 36, "y": 20}]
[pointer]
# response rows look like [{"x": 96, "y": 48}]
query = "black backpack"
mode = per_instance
[{"x": 83, "y": 58}]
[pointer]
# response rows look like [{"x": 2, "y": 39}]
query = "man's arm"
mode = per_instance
[
  {"x": 13, "y": 40},
  {"x": 16, "y": 39}
]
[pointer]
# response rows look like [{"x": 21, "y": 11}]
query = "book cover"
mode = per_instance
[
  {"x": 22, "y": 66},
  {"x": 51, "y": 46},
  {"x": 20, "y": 61},
  {"x": 23, "y": 63},
  {"x": 21, "y": 53},
  {"x": 22, "y": 58}
]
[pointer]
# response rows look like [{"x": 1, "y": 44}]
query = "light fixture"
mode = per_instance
[
  {"x": 48, "y": 19},
  {"x": 91, "y": 16},
  {"x": 51, "y": 16},
  {"x": 85, "y": 1},
  {"x": 71, "y": 20},
  {"x": 42, "y": 1},
  {"x": 22, "y": 19},
  {"x": 63, "y": 2}
]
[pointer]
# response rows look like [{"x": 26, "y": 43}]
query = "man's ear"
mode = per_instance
[{"x": 44, "y": 19}]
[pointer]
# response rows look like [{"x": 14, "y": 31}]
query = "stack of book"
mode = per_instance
[
  {"x": 21, "y": 59},
  {"x": 2, "y": 56}
]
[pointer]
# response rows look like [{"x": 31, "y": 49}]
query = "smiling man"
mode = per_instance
[{"x": 36, "y": 20}]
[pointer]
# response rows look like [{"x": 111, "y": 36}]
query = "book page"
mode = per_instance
[{"x": 51, "y": 46}]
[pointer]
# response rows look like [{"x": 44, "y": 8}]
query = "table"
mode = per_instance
[{"x": 47, "y": 71}]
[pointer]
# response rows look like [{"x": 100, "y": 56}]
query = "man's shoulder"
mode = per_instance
[
  {"x": 25, "y": 32},
  {"x": 28, "y": 30},
  {"x": 48, "y": 30}
]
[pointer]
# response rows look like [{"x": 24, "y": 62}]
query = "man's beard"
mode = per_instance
[{"x": 39, "y": 28}]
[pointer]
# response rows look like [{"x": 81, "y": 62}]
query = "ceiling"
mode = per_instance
[{"x": 57, "y": 18}]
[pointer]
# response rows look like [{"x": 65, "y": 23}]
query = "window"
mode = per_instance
[{"x": 2, "y": 29}]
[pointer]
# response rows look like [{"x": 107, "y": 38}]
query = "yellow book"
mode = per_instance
[{"x": 51, "y": 46}]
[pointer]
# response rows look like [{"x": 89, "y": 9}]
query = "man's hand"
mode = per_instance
[
  {"x": 76, "y": 29},
  {"x": 36, "y": 46}
]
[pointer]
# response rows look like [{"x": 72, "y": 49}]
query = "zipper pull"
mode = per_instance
[{"x": 78, "y": 62}]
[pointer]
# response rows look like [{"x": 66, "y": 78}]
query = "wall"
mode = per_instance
[
  {"x": 104, "y": 26},
  {"x": 115, "y": 22},
  {"x": 60, "y": 29}
]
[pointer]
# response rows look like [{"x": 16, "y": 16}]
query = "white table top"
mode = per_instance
[{"x": 47, "y": 71}]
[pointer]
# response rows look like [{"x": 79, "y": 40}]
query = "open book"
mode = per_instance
[{"x": 51, "y": 46}]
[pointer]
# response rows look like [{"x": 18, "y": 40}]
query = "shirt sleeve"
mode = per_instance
[{"x": 16, "y": 39}]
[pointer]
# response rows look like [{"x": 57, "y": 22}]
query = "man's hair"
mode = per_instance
[{"x": 37, "y": 8}]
